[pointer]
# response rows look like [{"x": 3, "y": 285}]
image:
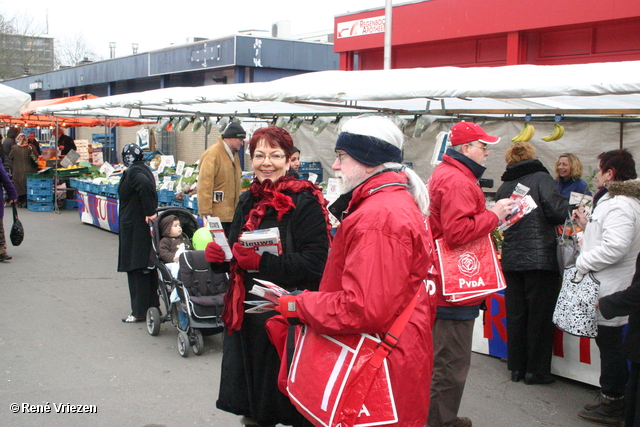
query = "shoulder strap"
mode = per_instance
[{"x": 390, "y": 339}]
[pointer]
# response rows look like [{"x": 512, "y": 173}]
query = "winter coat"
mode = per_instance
[
  {"x": 530, "y": 244},
  {"x": 67, "y": 144},
  {"x": 169, "y": 245},
  {"x": 250, "y": 362},
  {"x": 459, "y": 215},
  {"x": 623, "y": 303},
  {"x": 219, "y": 173},
  {"x": 611, "y": 241},
  {"x": 21, "y": 167},
  {"x": 7, "y": 145},
  {"x": 566, "y": 186},
  {"x": 6, "y": 184},
  {"x": 380, "y": 257},
  {"x": 138, "y": 199}
]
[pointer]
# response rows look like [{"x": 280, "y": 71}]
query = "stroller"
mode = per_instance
[{"x": 193, "y": 301}]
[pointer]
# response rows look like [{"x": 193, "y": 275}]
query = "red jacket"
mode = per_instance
[
  {"x": 379, "y": 259},
  {"x": 458, "y": 211}
]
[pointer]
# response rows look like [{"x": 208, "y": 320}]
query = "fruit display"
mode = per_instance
[
  {"x": 558, "y": 132},
  {"x": 525, "y": 134}
]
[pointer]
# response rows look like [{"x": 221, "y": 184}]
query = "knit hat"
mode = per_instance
[
  {"x": 234, "y": 130},
  {"x": 295, "y": 150},
  {"x": 166, "y": 223},
  {"x": 367, "y": 149}
]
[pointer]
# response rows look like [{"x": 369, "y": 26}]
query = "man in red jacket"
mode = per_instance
[
  {"x": 379, "y": 260},
  {"x": 458, "y": 214}
]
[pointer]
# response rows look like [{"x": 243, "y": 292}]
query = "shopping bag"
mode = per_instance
[
  {"x": 33, "y": 157},
  {"x": 17, "y": 230},
  {"x": 332, "y": 382},
  {"x": 469, "y": 271},
  {"x": 568, "y": 248},
  {"x": 575, "y": 311}
]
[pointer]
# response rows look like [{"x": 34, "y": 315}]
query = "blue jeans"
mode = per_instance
[{"x": 614, "y": 371}]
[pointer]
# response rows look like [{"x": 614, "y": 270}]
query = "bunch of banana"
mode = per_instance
[
  {"x": 558, "y": 132},
  {"x": 525, "y": 134}
]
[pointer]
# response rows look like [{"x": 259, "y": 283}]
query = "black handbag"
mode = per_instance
[{"x": 17, "y": 230}]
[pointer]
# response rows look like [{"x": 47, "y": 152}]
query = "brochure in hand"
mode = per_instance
[
  {"x": 215, "y": 226},
  {"x": 271, "y": 294},
  {"x": 524, "y": 205},
  {"x": 265, "y": 240}
]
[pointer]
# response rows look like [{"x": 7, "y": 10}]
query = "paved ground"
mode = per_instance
[{"x": 62, "y": 342}]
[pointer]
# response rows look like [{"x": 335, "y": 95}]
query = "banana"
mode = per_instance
[
  {"x": 561, "y": 132},
  {"x": 554, "y": 135},
  {"x": 519, "y": 136},
  {"x": 528, "y": 133}
]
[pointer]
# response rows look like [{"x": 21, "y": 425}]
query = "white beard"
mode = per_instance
[{"x": 351, "y": 181}]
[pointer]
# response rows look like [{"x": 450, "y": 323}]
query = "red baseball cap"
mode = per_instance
[{"x": 466, "y": 132}]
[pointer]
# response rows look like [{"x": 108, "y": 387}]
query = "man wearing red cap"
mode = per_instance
[{"x": 458, "y": 214}]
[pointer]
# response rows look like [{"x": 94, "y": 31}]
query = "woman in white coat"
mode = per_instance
[{"x": 610, "y": 246}]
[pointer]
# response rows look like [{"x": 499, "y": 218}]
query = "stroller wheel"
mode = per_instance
[
  {"x": 183, "y": 344},
  {"x": 198, "y": 346},
  {"x": 153, "y": 321}
]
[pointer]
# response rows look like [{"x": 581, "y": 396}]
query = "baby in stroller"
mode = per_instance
[{"x": 173, "y": 243}]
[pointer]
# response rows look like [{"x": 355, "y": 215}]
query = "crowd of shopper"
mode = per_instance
[{"x": 383, "y": 255}]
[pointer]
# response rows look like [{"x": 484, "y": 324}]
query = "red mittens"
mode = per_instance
[
  {"x": 287, "y": 306},
  {"x": 214, "y": 253},
  {"x": 248, "y": 259}
]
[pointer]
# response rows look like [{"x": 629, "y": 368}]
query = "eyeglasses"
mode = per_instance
[
  {"x": 483, "y": 148},
  {"x": 272, "y": 156},
  {"x": 339, "y": 156}
]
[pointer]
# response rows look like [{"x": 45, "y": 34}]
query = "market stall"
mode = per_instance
[{"x": 598, "y": 105}]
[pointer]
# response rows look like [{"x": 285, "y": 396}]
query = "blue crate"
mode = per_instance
[
  {"x": 39, "y": 191},
  {"x": 40, "y": 183},
  {"x": 83, "y": 185},
  {"x": 166, "y": 196},
  {"x": 70, "y": 204},
  {"x": 310, "y": 165},
  {"x": 40, "y": 199},
  {"x": 96, "y": 188},
  {"x": 191, "y": 202},
  {"x": 175, "y": 202},
  {"x": 111, "y": 190},
  {"x": 39, "y": 207}
]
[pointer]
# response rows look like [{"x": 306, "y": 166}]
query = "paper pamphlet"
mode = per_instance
[
  {"x": 582, "y": 200},
  {"x": 215, "y": 227},
  {"x": 266, "y": 240},
  {"x": 524, "y": 205},
  {"x": 270, "y": 292}
]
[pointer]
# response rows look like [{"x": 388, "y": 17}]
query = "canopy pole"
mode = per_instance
[{"x": 388, "y": 16}]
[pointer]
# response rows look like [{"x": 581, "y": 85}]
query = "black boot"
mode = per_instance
[{"x": 609, "y": 412}]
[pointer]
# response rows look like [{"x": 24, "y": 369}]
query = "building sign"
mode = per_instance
[{"x": 361, "y": 27}]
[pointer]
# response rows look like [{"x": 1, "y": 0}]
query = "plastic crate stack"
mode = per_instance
[
  {"x": 310, "y": 167},
  {"x": 39, "y": 194}
]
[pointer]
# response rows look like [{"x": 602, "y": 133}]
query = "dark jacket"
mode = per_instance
[
  {"x": 138, "y": 199},
  {"x": 625, "y": 303},
  {"x": 250, "y": 362},
  {"x": 530, "y": 244},
  {"x": 67, "y": 144},
  {"x": 169, "y": 246},
  {"x": 566, "y": 186},
  {"x": 6, "y": 184}
]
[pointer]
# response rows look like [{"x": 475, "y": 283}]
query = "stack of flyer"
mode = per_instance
[
  {"x": 524, "y": 205},
  {"x": 266, "y": 240},
  {"x": 270, "y": 293},
  {"x": 215, "y": 227}
]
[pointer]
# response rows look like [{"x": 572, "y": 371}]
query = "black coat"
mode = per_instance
[
  {"x": 530, "y": 244},
  {"x": 138, "y": 199},
  {"x": 625, "y": 303},
  {"x": 250, "y": 362}
]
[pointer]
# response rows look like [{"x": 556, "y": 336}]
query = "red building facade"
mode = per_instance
[{"x": 472, "y": 33}]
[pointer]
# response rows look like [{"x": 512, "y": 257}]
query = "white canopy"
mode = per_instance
[
  {"x": 600, "y": 88},
  {"x": 12, "y": 100}
]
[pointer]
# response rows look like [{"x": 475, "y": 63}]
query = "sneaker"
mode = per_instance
[
  {"x": 131, "y": 319},
  {"x": 460, "y": 422},
  {"x": 5, "y": 257}
]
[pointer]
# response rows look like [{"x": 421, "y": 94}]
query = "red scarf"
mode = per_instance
[{"x": 266, "y": 194}]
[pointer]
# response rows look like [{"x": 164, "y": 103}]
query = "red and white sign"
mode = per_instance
[{"x": 361, "y": 27}]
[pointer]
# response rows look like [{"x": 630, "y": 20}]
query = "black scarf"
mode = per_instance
[
  {"x": 476, "y": 168},
  {"x": 523, "y": 168}
]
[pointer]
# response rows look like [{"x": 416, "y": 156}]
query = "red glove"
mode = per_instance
[
  {"x": 287, "y": 306},
  {"x": 248, "y": 259},
  {"x": 214, "y": 253}
]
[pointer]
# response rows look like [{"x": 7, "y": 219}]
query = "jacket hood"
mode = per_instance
[{"x": 629, "y": 188}]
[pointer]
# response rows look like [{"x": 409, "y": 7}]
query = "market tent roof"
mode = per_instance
[
  {"x": 12, "y": 100},
  {"x": 600, "y": 88},
  {"x": 28, "y": 116}
]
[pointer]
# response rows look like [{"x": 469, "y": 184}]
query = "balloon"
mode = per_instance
[{"x": 201, "y": 237}]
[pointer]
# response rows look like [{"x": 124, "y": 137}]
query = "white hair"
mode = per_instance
[{"x": 385, "y": 128}]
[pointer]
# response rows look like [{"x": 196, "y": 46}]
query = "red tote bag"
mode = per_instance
[{"x": 469, "y": 271}]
